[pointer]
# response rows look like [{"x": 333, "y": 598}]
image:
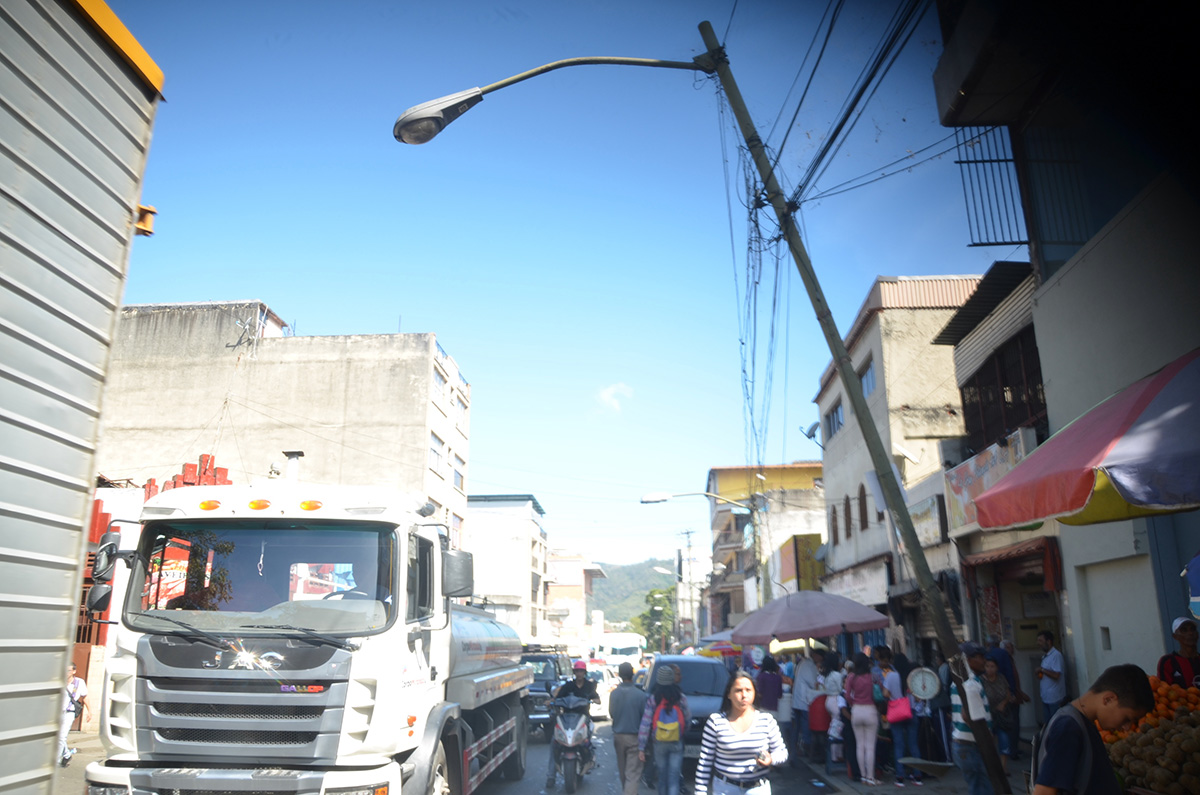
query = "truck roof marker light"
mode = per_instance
[
  {"x": 310, "y": 505},
  {"x": 259, "y": 505},
  {"x": 158, "y": 510},
  {"x": 412, "y": 719},
  {"x": 366, "y": 510},
  {"x": 210, "y": 505}
]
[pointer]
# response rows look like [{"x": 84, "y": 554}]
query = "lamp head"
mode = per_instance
[
  {"x": 419, "y": 124},
  {"x": 655, "y": 496}
]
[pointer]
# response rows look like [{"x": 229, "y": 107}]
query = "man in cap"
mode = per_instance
[
  {"x": 973, "y": 707},
  {"x": 1182, "y": 667},
  {"x": 625, "y": 707}
]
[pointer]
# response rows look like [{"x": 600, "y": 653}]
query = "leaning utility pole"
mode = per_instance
[{"x": 841, "y": 360}]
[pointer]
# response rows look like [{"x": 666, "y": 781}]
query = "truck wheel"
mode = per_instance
[
  {"x": 570, "y": 774},
  {"x": 514, "y": 765},
  {"x": 439, "y": 779}
]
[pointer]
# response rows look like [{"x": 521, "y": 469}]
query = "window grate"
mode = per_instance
[{"x": 990, "y": 187}]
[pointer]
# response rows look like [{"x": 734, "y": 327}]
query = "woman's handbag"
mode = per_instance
[{"x": 899, "y": 709}]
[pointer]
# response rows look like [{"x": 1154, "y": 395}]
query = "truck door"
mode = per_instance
[{"x": 428, "y": 630}]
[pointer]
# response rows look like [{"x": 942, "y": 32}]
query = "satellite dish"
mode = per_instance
[{"x": 812, "y": 430}]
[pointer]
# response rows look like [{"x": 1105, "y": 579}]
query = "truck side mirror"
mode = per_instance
[
  {"x": 106, "y": 557},
  {"x": 98, "y": 598},
  {"x": 458, "y": 573}
]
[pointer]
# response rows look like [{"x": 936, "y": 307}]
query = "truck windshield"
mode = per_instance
[{"x": 226, "y": 577}]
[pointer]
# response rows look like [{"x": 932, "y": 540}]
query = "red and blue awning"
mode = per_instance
[{"x": 1135, "y": 454}]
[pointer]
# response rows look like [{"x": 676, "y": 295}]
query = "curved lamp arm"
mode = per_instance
[{"x": 421, "y": 123}]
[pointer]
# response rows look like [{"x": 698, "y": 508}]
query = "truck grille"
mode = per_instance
[
  {"x": 237, "y": 736},
  {"x": 239, "y": 712},
  {"x": 239, "y": 718}
]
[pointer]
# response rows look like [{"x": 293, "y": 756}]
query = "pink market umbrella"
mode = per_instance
[
  {"x": 1135, "y": 454},
  {"x": 807, "y": 614}
]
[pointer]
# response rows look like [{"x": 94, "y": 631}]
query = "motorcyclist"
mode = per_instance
[{"x": 579, "y": 686}]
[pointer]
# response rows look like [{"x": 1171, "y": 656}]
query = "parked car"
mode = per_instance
[
  {"x": 551, "y": 667},
  {"x": 703, "y": 681},
  {"x": 606, "y": 681}
]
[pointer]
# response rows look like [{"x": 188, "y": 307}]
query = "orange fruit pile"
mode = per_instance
[{"x": 1170, "y": 701}]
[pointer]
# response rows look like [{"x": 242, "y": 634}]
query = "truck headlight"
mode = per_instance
[
  {"x": 375, "y": 789},
  {"x": 105, "y": 789}
]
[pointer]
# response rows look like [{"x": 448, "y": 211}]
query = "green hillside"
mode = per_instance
[{"x": 623, "y": 594}]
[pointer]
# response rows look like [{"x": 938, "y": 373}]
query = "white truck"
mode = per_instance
[{"x": 301, "y": 640}]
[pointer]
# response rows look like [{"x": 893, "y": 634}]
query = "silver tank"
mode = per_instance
[{"x": 478, "y": 642}]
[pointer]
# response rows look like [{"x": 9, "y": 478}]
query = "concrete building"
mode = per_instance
[
  {"x": 387, "y": 410},
  {"x": 1010, "y": 580},
  {"x": 910, "y": 389},
  {"x": 569, "y": 584},
  {"x": 760, "y": 510},
  {"x": 506, "y": 536},
  {"x": 1104, "y": 181}
]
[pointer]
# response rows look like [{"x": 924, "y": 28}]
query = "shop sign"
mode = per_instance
[
  {"x": 866, "y": 584},
  {"x": 977, "y": 474},
  {"x": 927, "y": 521}
]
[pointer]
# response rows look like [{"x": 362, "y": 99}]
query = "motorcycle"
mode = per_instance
[{"x": 572, "y": 743}]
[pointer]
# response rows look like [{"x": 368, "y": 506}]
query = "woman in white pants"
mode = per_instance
[{"x": 74, "y": 703}]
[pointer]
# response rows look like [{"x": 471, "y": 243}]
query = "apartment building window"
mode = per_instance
[
  {"x": 863, "y": 516},
  {"x": 436, "y": 447},
  {"x": 866, "y": 377},
  {"x": 833, "y": 534},
  {"x": 847, "y": 514},
  {"x": 456, "y": 523},
  {"x": 460, "y": 412},
  {"x": 1006, "y": 393},
  {"x": 439, "y": 383},
  {"x": 459, "y": 466},
  {"x": 834, "y": 421}
]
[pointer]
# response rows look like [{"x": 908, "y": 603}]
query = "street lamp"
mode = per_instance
[
  {"x": 662, "y": 496},
  {"x": 421, "y": 123}
]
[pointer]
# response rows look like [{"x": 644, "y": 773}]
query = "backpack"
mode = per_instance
[
  {"x": 668, "y": 728},
  {"x": 1083, "y": 769}
]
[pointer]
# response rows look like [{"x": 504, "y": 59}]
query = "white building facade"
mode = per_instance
[{"x": 507, "y": 538}]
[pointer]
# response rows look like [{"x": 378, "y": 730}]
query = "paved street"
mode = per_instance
[{"x": 602, "y": 781}]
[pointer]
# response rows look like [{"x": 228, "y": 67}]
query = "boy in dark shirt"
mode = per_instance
[{"x": 1118, "y": 699}]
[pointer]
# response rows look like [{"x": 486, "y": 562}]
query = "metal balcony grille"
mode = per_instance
[{"x": 990, "y": 189}]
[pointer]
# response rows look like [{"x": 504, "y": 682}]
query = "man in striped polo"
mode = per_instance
[{"x": 966, "y": 754}]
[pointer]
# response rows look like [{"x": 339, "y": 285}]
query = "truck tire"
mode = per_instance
[
  {"x": 514, "y": 766},
  {"x": 570, "y": 774},
  {"x": 439, "y": 778}
]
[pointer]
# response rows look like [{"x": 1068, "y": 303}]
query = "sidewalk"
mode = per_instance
[
  {"x": 69, "y": 780},
  {"x": 952, "y": 783}
]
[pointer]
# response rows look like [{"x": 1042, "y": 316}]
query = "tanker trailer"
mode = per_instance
[{"x": 290, "y": 638}]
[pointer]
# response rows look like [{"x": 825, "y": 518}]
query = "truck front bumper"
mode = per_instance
[{"x": 105, "y": 779}]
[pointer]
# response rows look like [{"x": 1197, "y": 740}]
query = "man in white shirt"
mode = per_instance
[
  {"x": 1051, "y": 674},
  {"x": 804, "y": 689}
]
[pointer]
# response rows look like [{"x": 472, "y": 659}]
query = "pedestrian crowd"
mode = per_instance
[{"x": 858, "y": 718}]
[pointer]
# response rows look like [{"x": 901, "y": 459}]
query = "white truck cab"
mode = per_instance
[{"x": 289, "y": 638}]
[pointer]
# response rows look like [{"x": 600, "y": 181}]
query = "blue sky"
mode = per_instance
[{"x": 573, "y": 240}]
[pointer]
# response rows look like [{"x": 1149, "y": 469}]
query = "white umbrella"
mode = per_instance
[
  {"x": 807, "y": 614},
  {"x": 725, "y": 634}
]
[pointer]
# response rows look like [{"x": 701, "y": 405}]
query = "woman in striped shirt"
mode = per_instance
[{"x": 739, "y": 744}]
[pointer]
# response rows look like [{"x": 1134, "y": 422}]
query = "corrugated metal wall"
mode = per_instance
[
  {"x": 74, "y": 132},
  {"x": 1010, "y": 316}
]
